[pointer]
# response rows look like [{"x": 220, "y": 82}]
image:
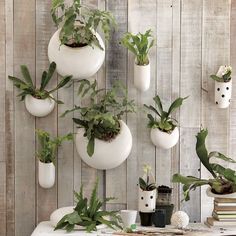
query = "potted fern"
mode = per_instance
[
  {"x": 103, "y": 140},
  {"x": 39, "y": 102},
  {"x": 139, "y": 45},
  {"x": 223, "y": 86},
  {"x": 86, "y": 214},
  {"x": 164, "y": 130},
  {"x": 222, "y": 184},
  {"x": 147, "y": 196},
  {"x": 47, "y": 157},
  {"x": 76, "y": 46}
]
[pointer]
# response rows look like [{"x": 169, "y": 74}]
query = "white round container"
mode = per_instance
[
  {"x": 39, "y": 107},
  {"x": 128, "y": 217},
  {"x": 142, "y": 77},
  {"x": 107, "y": 155},
  {"x": 80, "y": 62},
  {"x": 147, "y": 200},
  {"x": 164, "y": 140},
  {"x": 223, "y": 91},
  {"x": 46, "y": 174}
]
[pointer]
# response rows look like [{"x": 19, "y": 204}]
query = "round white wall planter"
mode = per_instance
[
  {"x": 39, "y": 107},
  {"x": 163, "y": 139},
  {"x": 107, "y": 155},
  {"x": 223, "y": 91},
  {"x": 211, "y": 194},
  {"x": 142, "y": 77},
  {"x": 147, "y": 200},
  {"x": 80, "y": 62},
  {"x": 46, "y": 174}
]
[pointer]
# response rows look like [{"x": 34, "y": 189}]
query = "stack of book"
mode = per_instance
[{"x": 224, "y": 213}]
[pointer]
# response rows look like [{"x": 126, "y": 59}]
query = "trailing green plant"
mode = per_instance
[
  {"x": 79, "y": 23},
  {"x": 100, "y": 118},
  {"x": 49, "y": 145},
  {"x": 165, "y": 122},
  {"x": 225, "y": 75},
  {"x": 28, "y": 88},
  {"x": 139, "y": 45},
  {"x": 147, "y": 183},
  {"x": 223, "y": 179},
  {"x": 89, "y": 214}
]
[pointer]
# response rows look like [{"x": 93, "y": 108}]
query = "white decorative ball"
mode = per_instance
[{"x": 180, "y": 219}]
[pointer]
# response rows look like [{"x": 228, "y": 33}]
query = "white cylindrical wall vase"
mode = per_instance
[
  {"x": 223, "y": 91},
  {"x": 46, "y": 174},
  {"x": 142, "y": 77}
]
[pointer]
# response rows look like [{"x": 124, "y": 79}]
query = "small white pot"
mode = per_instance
[
  {"x": 147, "y": 200},
  {"x": 211, "y": 194},
  {"x": 46, "y": 174},
  {"x": 142, "y": 77},
  {"x": 223, "y": 91},
  {"x": 80, "y": 62},
  {"x": 128, "y": 217},
  {"x": 163, "y": 139},
  {"x": 107, "y": 155},
  {"x": 39, "y": 107}
]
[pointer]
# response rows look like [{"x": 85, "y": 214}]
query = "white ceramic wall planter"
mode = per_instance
[
  {"x": 147, "y": 200},
  {"x": 223, "y": 91},
  {"x": 46, "y": 174},
  {"x": 81, "y": 62},
  {"x": 142, "y": 77},
  {"x": 211, "y": 194},
  {"x": 39, "y": 107},
  {"x": 163, "y": 139},
  {"x": 107, "y": 155}
]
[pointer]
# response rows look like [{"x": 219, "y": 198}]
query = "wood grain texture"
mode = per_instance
[{"x": 193, "y": 39}]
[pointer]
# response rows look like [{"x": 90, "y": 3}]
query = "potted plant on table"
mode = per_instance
[
  {"x": 147, "y": 196},
  {"x": 139, "y": 45},
  {"x": 76, "y": 46},
  {"x": 87, "y": 214},
  {"x": 223, "y": 86},
  {"x": 103, "y": 140},
  {"x": 39, "y": 102},
  {"x": 164, "y": 130},
  {"x": 47, "y": 157},
  {"x": 223, "y": 181}
]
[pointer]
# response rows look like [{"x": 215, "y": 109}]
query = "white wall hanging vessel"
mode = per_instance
[
  {"x": 223, "y": 91},
  {"x": 147, "y": 200},
  {"x": 80, "y": 62},
  {"x": 163, "y": 139},
  {"x": 211, "y": 194},
  {"x": 46, "y": 174},
  {"x": 39, "y": 107},
  {"x": 142, "y": 76},
  {"x": 107, "y": 155}
]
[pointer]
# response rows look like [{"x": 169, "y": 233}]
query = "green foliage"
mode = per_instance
[
  {"x": 226, "y": 75},
  {"x": 165, "y": 123},
  {"x": 224, "y": 179},
  {"x": 89, "y": 213},
  {"x": 139, "y": 45},
  {"x": 100, "y": 118},
  {"x": 79, "y": 23},
  {"x": 48, "y": 145},
  {"x": 147, "y": 183},
  {"x": 28, "y": 88}
]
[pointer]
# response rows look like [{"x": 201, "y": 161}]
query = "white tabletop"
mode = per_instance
[{"x": 45, "y": 229}]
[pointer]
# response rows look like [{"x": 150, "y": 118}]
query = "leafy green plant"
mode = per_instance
[
  {"x": 28, "y": 88},
  {"x": 147, "y": 183},
  {"x": 165, "y": 122},
  {"x": 100, "y": 118},
  {"x": 49, "y": 145},
  {"x": 139, "y": 45},
  {"x": 89, "y": 214},
  {"x": 79, "y": 23},
  {"x": 224, "y": 179},
  {"x": 225, "y": 75}
]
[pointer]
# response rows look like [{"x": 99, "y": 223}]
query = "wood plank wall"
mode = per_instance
[{"x": 194, "y": 37}]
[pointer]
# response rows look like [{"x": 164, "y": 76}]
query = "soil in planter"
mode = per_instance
[
  {"x": 146, "y": 218},
  {"x": 76, "y": 45}
]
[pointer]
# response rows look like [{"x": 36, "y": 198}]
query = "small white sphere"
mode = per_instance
[{"x": 180, "y": 219}]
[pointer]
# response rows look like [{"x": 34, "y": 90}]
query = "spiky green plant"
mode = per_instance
[
  {"x": 89, "y": 214},
  {"x": 224, "y": 179},
  {"x": 28, "y": 88}
]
